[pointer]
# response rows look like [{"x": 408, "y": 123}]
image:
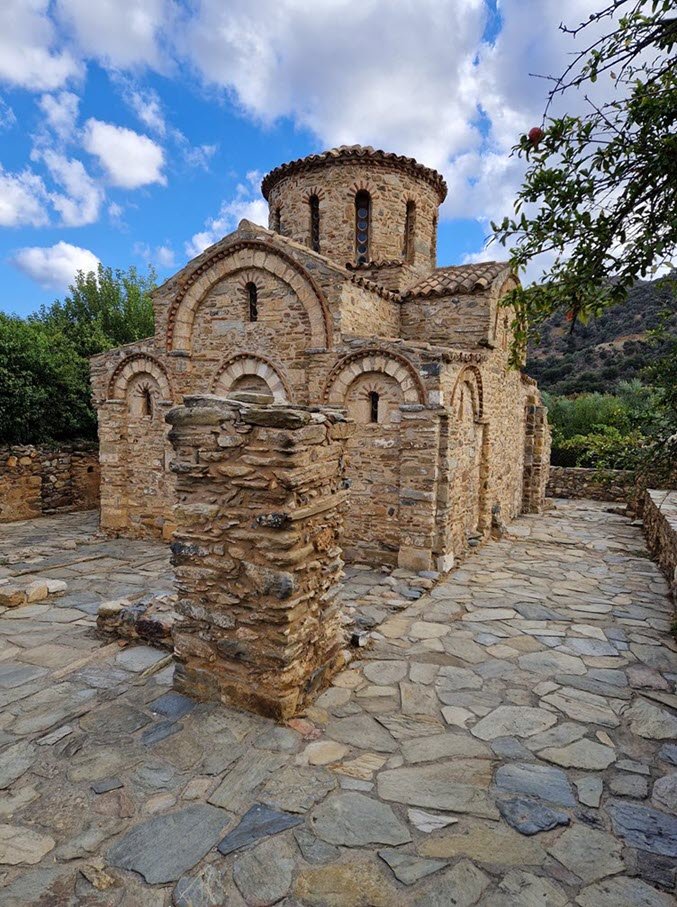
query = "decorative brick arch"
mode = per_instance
[
  {"x": 251, "y": 364},
  {"x": 247, "y": 255},
  {"x": 375, "y": 360},
  {"x": 472, "y": 378},
  {"x": 138, "y": 364}
]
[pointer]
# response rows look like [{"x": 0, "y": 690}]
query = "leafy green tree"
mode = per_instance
[
  {"x": 600, "y": 191},
  {"x": 44, "y": 385},
  {"x": 103, "y": 309},
  {"x": 45, "y": 393}
]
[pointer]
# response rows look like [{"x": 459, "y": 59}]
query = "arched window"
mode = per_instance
[
  {"x": 277, "y": 219},
  {"x": 314, "y": 205},
  {"x": 362, "y": 225},
  {"x": 409, "y": 231},
  {"x": 253, "y": 301},
  {"x": 373, "y": 406},
  {"x": 433, "y": 243},
  {"x": 146, "y": 403}
]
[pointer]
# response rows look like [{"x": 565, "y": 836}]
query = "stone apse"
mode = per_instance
[{"x": 339, "y": 303}]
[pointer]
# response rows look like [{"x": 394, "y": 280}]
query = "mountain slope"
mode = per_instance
[{"x": 611, "y": 348}]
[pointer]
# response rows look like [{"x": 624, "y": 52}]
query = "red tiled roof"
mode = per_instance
[
  {"x": 459, "y": 279},
  {"x": 356, "y": 153}
]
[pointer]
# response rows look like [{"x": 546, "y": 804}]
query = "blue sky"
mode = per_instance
[{"x": 137, "y": 132}]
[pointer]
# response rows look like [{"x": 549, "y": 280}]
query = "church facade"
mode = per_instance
[{"x": 340, "y": 302}]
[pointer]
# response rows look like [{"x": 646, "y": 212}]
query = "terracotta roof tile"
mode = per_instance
[
  {"x": 356, "y": 153},
  {"x": 459, "y": 279}
]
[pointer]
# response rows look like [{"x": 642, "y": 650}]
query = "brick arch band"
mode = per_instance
[
  {"x": 254, "y": 255},
  {"x": 351, "y": 367},
  {"x": 251, "y": 364},
  {"x": 472, "y": 378},
  {"x": 138, "y": 364}
]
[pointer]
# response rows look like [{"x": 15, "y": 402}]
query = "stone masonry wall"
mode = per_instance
[
  {"x": 596, "y": 484},
  {"x": 659, "y": 514},
  {"x": 256, "y": 550},
  {"x": 42, "y": 480},
  {"x": 335, "y": 185}
]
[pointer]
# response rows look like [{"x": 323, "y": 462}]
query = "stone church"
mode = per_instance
[{"x": 340, "y": 302}]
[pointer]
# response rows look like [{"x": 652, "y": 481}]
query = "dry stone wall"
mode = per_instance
[
  {"x": 43, "y": 480},
  {"x": 659, "y": 514},
  {"x": 594, "y": 484},
  {"x": 260, "y": 500}
]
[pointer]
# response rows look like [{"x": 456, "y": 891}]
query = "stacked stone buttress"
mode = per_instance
[{"x": 260, "y": 502}]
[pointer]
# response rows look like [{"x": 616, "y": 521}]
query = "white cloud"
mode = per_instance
[
  {"x": 399, "y": 75},
  {"x": 7, "y": 115},
  {"x": 131, "y": 160},
  {"x": 22, "y": 199},
  {"x": 245, "y": 205},
  {"x": 120, "y": 33},
  {"x": 61, "y": 112},
  {"x": 162, "y": 256},
  {"x": 198, "y": 155},
  {"x": 54, "y": 267},
  {"x": 28, "y": 57},
  {"x": 115, "y": 212},
  {"x": 83, "y": 199},
  {"x": 144, "y": 102}
]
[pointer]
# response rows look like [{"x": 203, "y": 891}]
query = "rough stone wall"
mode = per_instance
[
  {"x": 659, "y": 514},
  {"x": 595, "y": 484},
  {"x": 458, "y": 321},
  {"x": 336, "y": 185},
  {"x": 42, "y": 480},
  {"x": 536, "y": 456},
  {"x": 366, "y": 313},
  {"x": 256, "y": 550}
]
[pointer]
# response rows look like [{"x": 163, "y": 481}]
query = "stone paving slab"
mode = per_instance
[{"x": 507, "y": 737}]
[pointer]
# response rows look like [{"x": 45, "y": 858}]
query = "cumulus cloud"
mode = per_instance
[
  {"x": 60, "y": 112},
  {"x": 28, "y": 56},
  {"x": 120, "y": 33},
  {"x": 162, "y": 256},
  {"x": 82, "y": 200},
  {"x": 22, "y": 199},
  {"x": 54, "y": 267},
  {"x": 245, "y": 205},
  {"x": 130, "y": 160}
]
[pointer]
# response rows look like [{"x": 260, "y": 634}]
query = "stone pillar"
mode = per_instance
[
  {"x": 419, "y": 477},
  {"x": 260, "y": 494},
  {"x": 536, "y": 457}
]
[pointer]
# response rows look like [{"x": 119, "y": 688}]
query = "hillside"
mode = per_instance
[{"x": 609, "y": 349}]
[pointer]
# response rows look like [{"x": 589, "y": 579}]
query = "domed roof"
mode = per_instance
[{"x": 356, "y": 154}]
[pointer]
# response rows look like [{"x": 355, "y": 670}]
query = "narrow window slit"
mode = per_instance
[
  {"x": 314, "y": 203},
  {"x": 373, "y": 406},
  {"x": 362, "y": 225},
  {"x": 253, "y": 299}
]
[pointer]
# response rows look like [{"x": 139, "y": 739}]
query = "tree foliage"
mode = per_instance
[
  {"x": 45, "y": 393},
  {"x": 600, "y": 191}
]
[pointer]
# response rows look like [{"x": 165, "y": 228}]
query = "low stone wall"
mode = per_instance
[
  {"x": 40, "y": 480},
  {"x": 659, "y": 513},
  {"x": 595, "y": 484}
]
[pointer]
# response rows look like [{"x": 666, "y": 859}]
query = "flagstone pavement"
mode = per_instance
[{"x": 508, "y": 737}]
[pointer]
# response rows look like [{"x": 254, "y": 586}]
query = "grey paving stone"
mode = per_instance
[
  {"x": 529, "y": 815},
  {"x": 352, "y": 819},
  {"x": 15, "y": 761},
  {"x": 363, "y": 732},
  {"x": 296, "y": 789},
  {"x": 589, "y": 790},
  {"x": 644, "y": 827},
  {"x": 106, "y": 784},
  {"x": 588, "y": 853},
  {"x": 437, "y": 786},
  {"x": 210, "y": 887},
  {"x": 16, "y": 673},
  {"x": 524, "y": 889},
  {"x": 258, "y": 822},
  {"x": 409, "y": 868},
  {"x": 585, "y": 754},
  {"x": 172, "y": 705},
  {"x": 463, "y": 885},
  {"x": 628, "y": 785},
  {"x": 625, "y": 891},
  {"x": 264, "y": 873},
  {"x": 549, "y": 784},
  {"x": 313, "y": 849},
  {"x": 513, "y": 721},
  {"x": 160, "y": 730},
  {"x": 139, "y": 658},
  {"x": 510, "y": 748},
  {"x": 165, "y": 847}
]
